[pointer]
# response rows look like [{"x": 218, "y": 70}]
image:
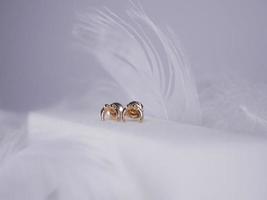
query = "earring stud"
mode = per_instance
[
  {"x": 134, "y": 111},
  {"x": 112, "y": 111}
]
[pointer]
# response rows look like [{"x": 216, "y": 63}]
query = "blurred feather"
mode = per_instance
[
  {"x": 146, "y": 62},
  {"x": 234, "y": 104},
  {"x": 13, "y": 133}
]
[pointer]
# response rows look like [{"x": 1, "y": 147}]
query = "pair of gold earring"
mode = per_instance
[{"x": 115, "y": 111}]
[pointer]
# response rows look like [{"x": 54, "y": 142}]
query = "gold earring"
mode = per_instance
[
  {"x": 113, "y": 111},
  {"x": 134, "y": 111}
]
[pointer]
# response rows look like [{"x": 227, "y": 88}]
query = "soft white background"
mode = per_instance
[{"x": 39, "y": 65}]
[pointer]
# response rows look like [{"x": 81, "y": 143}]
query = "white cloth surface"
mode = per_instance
[{"x": 153, "y": 160}]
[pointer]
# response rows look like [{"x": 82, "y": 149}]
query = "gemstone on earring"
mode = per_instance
[
  {"x": 111, "y": 111},
  {"x": 134, "y": 111}
]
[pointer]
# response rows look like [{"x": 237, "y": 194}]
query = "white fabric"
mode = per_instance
[{"x": 74, "y": 159}]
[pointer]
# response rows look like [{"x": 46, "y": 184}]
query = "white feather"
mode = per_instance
[
  {"x": 13, "y": 133},
  {"x": 144, "y": 60},
  {"x": 234, "y": 104}
]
